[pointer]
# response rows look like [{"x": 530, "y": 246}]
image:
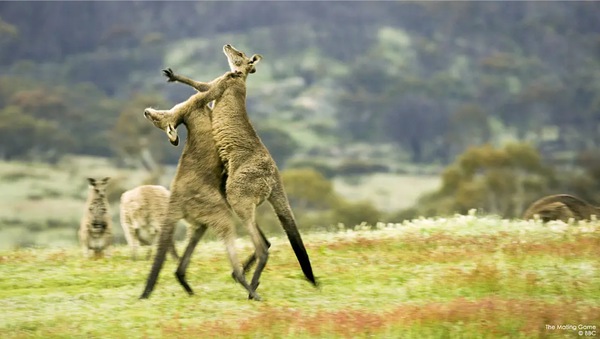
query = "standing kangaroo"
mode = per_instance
[
  {"x": 95, "y": 229},
  {"x": 141, "y": 212},
  {"x": 197, "y": 188},
  {"x": 252, "y": 175},
  {"x": 561, "y": 207}
]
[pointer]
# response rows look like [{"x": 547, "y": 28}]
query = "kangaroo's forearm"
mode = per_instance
[
  {"x": 216, "y": 88},
  {"x": 199, "y": 86}
]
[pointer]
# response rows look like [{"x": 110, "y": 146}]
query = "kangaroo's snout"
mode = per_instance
[{"x": 146, "y": 114}]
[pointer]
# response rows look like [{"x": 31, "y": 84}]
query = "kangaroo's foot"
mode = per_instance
[
  {"x": 254, "y": 296},
  {"x": 254, "y": 288}
]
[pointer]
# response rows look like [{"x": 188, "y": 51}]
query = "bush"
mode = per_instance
[
  {"x": 495, "y": 180},
  {"x": 326, "y": 170},
  {"x": 308, "y": 189},
  {"x": 354, "y": 213}
]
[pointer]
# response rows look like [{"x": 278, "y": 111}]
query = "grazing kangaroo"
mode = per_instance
[
  {"x": 561, "y": 207},
  {"x": 252, "y": 175},
  {"x": 197, "y": 193},
  {"x": 95, "y": 229},
  {"x": 141, "y": 212}
]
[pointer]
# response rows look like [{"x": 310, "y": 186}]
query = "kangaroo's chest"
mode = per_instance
[{"x": 97, "y": 243}]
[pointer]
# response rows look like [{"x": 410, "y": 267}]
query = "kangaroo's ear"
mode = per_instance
[
  {"x": 92, "y": 181},
  {"x": 256, "y": 58},
  {"x": 172, "y": 134}
]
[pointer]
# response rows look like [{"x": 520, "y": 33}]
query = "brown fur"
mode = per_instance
[
  {"x": 95, "y": 229},
  {"x": 253, "y": 176},
  {"x": 196, "y": 190},
  {"x": 141, "y": 212},
  {"x": 561, "y": 207}
]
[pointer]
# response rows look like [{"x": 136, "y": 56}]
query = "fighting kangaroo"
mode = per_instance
[
  {"x": 196, "y": 190},
  {"x": 561, "y": 207},
  {"x": 252, "y": 175}
]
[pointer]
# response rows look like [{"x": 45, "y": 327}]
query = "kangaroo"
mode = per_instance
[
  {"x": 252, "y": 175},
  {"x": 141, "y": 212},
  {"x": 95, "y": 229},
  {"x": 197, "y": 194},
  {"x": 561, "y": 207}
]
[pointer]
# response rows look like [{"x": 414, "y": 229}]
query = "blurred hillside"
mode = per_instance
[
  {"x": 428, "y": 78},
  {"x": 345, "y": 88}
]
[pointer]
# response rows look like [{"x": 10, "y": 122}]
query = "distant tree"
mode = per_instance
[
  {"x": 40, "y": 103},
  {"x": 500, "y": 181},
  {"x": 136, "y": 142},
  {"x": 24, "y": 136},
  {"x": 468, "y": 126},
  {"x": 8, "y": 32},
  {"x": 417, "y": 123}
]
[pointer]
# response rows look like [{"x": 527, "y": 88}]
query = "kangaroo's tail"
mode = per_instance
[{"x": 281, "y": 206}]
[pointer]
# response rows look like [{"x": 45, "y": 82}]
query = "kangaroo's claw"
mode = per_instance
[{"x": 169, "y": 74}]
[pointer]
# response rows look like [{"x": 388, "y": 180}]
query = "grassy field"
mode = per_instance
[{"x": 461, "y": 277}]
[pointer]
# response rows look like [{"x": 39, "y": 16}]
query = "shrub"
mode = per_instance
[
  {"x": 326, "y": 170},
  {"x": 354, "y": 213},
  {"x": 308, "y": 189}
]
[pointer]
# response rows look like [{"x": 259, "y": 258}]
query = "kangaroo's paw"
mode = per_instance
[
  {"x": 235, "y": 74},
  {"x": 169, "y": 74}
]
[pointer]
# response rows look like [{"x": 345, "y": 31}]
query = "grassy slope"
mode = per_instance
[
  {"x": 53, "y": 196},
  {"x": 388, "y": 192},
  {"x": 45, "y": 194},
  {"x": 460, "y": 277}
]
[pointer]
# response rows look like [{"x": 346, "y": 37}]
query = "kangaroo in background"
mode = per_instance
[
  {"x": 252, "y": 175},
  {"x": 95, "y": 229},
  {"x": 141, "y": 212},
  {"x": 196, "y": 190},
  {"x": 561, "y": 207}
]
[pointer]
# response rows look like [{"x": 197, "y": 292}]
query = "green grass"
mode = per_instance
[{"x": 461, "y": 277}]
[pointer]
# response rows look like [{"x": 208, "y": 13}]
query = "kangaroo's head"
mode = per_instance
[
  {"x": 556, "y": 211},
  {"x": 167, "y": 122},
  {"x": 239, "y": 62},
  {"x": 99, "y": 185}
]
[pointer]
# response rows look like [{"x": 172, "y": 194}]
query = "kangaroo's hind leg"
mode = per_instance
[
  {"x": 252, "y": 258},
  {"x": 165, "y": 240},
  {"x": 226, "y": 231},
  {"x": 184, "y": 262},
  {"x": 247, "y": 212}
]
